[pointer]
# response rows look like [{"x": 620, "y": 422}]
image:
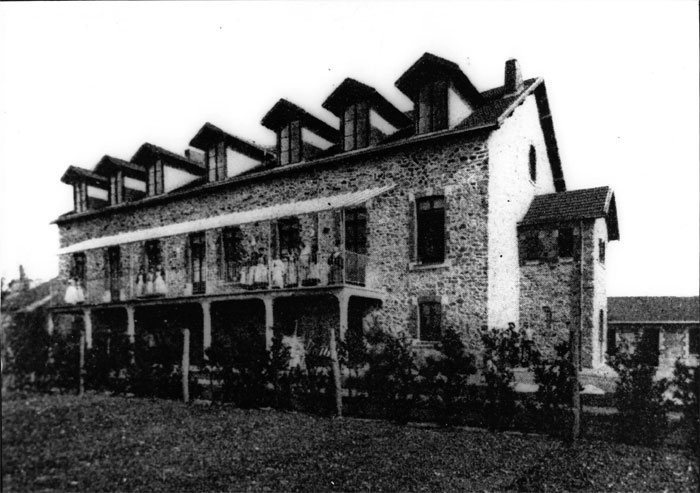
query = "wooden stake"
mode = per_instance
[
  {"x": 335, "y": 366},
  {"x": 186, "y": 365},
  {"x": 81, "y": 376}
]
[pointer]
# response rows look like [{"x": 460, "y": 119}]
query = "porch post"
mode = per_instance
[
  {"x": 269, "y": 321},
  {"x": 206, "y": 324},
  {"x": 87, "y": 320},
  {"x": 343, "y": 301},
  {"x": 49, "y": 323},
  {"x": 130, "y": 324}
]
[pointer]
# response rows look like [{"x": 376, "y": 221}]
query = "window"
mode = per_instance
[
  {"x": 155, "y": 178},
  {"x": 430, "y": 325},
  {"x": 289, "y": 234},
  {"x": 80, "y": 196},
  {"x": 153, "y": 256},
  {"x": 356, "y": 230},
  {"x": 601, "y": 331},
  {"x": 430, "y": 218},
  {"x": 78, "y": 268},
  {"x": 601, "y": 251},
  {"x": 566, "y": 242},
  {"x": 648, "y": 345},
  {"x": 533, "y": 164},
  {"x": 289, "y": 145},
  {"x": 198, "y": 259},
  {"x": 216, "y": 167},
  {"x": 114, "y": 271},
  {"x": 612, "y": 341},
  {"x": 432, "y": 107},
  {"x": 356, "y": 126},
  {"x": 232, "y": 254},
  {"x": 116, "y": 189},
  {"x": 531, "y": 245},
  {"x": 694, "y": 340}
]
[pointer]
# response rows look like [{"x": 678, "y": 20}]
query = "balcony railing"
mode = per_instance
[{"x": 319, "y": 269}]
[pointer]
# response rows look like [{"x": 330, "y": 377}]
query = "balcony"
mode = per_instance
[{"x": 322, "y": 269}]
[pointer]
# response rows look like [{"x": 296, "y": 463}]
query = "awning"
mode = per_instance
[{"x": 235, "y": 218}]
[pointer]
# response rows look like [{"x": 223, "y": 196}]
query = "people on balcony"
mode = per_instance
[
  {"x": 260, "y": 274},
  {"x": 278, "y": 269},
  {"x": 74, "y": 293},
  {"x": 305, "y": 264},
  {"x": 335, "y": 263},
  {"x": 159, "y": 286},
  {"x": 290, "y": 258}
]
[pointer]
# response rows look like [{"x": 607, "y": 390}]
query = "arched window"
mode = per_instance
[{"x": 533, "y": 164}]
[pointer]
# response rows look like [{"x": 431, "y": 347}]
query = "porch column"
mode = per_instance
[
  {"x": 206, "y": 324},
  {"x": 269, "y": 321},
  {"x": 87, "y": 320},
  {"x": 343, "y": 302},
  {"x": 130, "y": 324},
  {"x": 49, "y": 323}
]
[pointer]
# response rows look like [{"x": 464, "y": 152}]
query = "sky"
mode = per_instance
[{"x": 81, "y": 80}]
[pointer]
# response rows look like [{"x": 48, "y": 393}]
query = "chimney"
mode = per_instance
[{"x": 514, "y": 79}]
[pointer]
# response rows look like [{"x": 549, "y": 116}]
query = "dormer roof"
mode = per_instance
[
  {"x": 148, "y": 154},
  {"x": 429, "y": 68},
  {"x": 74, "y": 174},
  {"x": 284, "y": 112},
  {"x": 109, "y": 165},
  {"x": 210, "y": 135},
  {"x": 351, "y": 91},
  {"x": 589, "y": 203}
]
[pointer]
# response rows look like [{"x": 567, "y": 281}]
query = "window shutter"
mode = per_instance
[
  {"x": 362, "y": 122},
  {"x": 274, "y": 239},
  {"x": 106, "y": 269},
  {"x": 413, "y": 321},
  {"x": 220, "y": 254},
  {"x": 440, "y": 102},
  {"x": 295, "y": 142},
  {"x": 412, "y": 230}
]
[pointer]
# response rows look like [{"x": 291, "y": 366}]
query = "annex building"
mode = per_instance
[{"x": 456, "y": 213}]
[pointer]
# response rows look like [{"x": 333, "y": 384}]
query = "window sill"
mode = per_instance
[{"x": 414, "y": 266}]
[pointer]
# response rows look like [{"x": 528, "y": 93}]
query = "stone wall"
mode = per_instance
[{"x": 455, "y": 166}]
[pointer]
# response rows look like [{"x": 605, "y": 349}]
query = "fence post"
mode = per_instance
[
  {"x": 575, "y": 395},
  {"x": 186, "y": 365},
  {"x": 335, "y": 366},
  {"x": 81, "y": 375}
]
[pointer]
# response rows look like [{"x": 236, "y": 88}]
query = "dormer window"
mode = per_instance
[
  {"x": 289, "y": 143},
  {"x": 432, "y": 107},
  {"x": 356, "y": 126},
  {"x": 216, "y": 164},
  {"x": 80, "y": 196},
  {"x": 156, "y": 184},
  {"x": 90, "y": 189}
]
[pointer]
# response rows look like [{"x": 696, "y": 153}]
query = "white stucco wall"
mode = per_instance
[
  {"x": 457, "y": 108},
  {"x": 174, "y": 178},
  {"x": 98, "y": 193},
  {"x": 510, "y": 194},
  {"x": 134, "y": 184},
  {"x": 237, "y": 163},
  {"x": 600, "y": 297}
]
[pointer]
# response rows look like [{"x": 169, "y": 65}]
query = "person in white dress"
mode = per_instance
[
  {"x": 160, "y": 286},
  {"x": 260, "y": 274},
  {"x": 278, "y": 269}
]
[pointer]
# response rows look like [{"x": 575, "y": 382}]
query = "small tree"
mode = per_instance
[
  {"x": 391, "y": 378},
  {"x": 686, "y": 382},
  {"x": 641, "y": 417},
  {"x": 555, "y": 379},
  {"x": 502, "y": 352},
  {"x": 277, "y": 371}
]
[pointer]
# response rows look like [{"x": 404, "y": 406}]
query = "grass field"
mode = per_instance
[{"x": 101, "y": 443}]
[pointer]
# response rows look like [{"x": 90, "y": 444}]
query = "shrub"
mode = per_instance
[
  {"x": 239, "y": 364},
  {"x": 446, "y": 379},
  {"x": 556, "y": 381},
  {"x": 26, "y": 349},
  {"x": 641, "y": 417},
  {"x": 277, "y": 372},
  {"x": 313, "y": 387},
  {"x": 107, "y": 363},
  {"x": 63, "y": 367},
  {"x": 686, "y": 382},
  {"x": 502, "y": 352},
  {"x": 391, "y": 377}
]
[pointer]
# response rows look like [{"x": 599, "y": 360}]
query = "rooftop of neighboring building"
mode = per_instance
[{"x": 654, "y": 309}]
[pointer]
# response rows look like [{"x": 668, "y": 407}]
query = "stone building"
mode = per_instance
[
  {"x": 668, "y": 326},
  {"x": 453, "y": 214}
]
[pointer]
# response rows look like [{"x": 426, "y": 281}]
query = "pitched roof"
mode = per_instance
[
  {"x": 211, "y": 134},
  {"x": 429, "y": 68},
  {"x": 351, "y": 91},
  {"x": 148, "y": 153},
  {"x": 590, "y": 203},
  {"x": 74, "y": 174},
  {"x": 108, "y": 165},
  {"x": 284, "y": 112},
  {"x": 28, "y": 300},
  {"x": 654, "y": 308}
]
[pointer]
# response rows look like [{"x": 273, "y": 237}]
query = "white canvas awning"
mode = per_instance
[{"x": 235, "y": 218}]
